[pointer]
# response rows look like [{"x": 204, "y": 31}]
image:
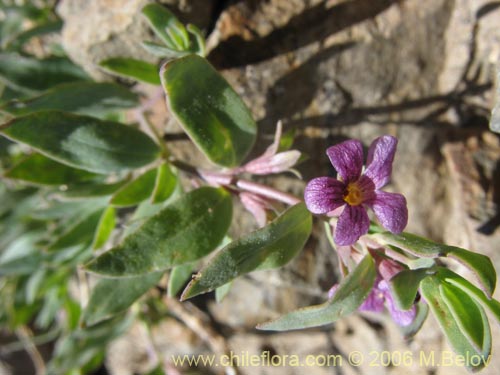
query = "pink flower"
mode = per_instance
[
  {"x": 357, "y": 191},
  {"x": 272, "y": 161}
]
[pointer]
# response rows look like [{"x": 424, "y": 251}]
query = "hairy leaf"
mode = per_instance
[
  {"x": 83, "y": 142},
  {"x": 80, "y": 97},
  {"x": 184, "y": 231},
  {"x": 113, "y": 296},
  {"x": 480, "y": 264},
  {"x": 350, "y": 294},
  {"x": 429, "y": 288},
  {"x": 209, "y": 110},
  {"x": 270, "y": 247},
  {"x": 470, "y": 317}
]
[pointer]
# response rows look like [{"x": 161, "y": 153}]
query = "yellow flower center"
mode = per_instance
[{"x": 353, "y": 195}]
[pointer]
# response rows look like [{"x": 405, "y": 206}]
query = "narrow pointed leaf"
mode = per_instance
[
  {"x": 209, "y": 110},
  {"x": 165, "y": 184},
  {"x": 470, "y": 317},
  {"x": 404, "y": 287},
  {"x": 80, "y": 97},
  {"x": 480, "y": 264},
  {"x": 113, "y": 296},
  {"x": 197, "y": 40},
  {"x": 32, "y": 75},
  {"x": 107, "y": 223},
  {"x": 83, "y": 142},
  {"x": 39, "y": 169},
  {"x": 186, "y": 230},
  {"x": 132, "y": 68},
  {"x": 161, "y": 21},
  {"x": 350, "y": 294},
  {"x": 429, "y": 288},
  {"x": 179, "y": 35},
  {"x": 162, "y": 51},
  {"x": 179, "y": 276},
  {"x": 488, "y": 303},
  {"x": 135, "y": 191},
  {"x": 270, "y": 247}
]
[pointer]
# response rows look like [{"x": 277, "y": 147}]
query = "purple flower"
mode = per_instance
[
  {"x": 355, "y": 191},
  {"x": 381, "y": 296}
]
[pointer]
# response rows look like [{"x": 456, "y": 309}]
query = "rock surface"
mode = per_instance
[
  {"x": 95, "y": 30},
  {"x": 419, "y": 69}
]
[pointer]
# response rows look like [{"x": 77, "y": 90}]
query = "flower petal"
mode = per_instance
[
  {"x": 391, "y": 210},
  {"x": 273, "y": 163},
  {"x": 324, "y": 194},
  {"x": 347, "y": 158},
  {"x": 380, "y": 158},
  {"x": 352, "y": 224},
  {"x": 375, "y": 300},
  {"x": 256, "y": 206},
  {"x": 401, "y": 317}
]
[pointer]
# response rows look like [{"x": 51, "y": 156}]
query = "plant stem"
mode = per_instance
[
  {"x": 24, "y": 334},
  {"x": 267, "y": 191},
  {"x": 226, "y": 179}
]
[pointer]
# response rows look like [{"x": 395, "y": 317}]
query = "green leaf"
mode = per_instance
[
  {"x": 197, "y": 40},
  {"x": 83, "y": 142},
  {"x": 39, "y": 169},
  {"x": 80, "y": 233},
  {"x": 184, "y": 231},
  {"x": 466, "y": 313},
  {"x": 132, "y": 68},
  {"x": 162, "y": 51},
  {"x": 135, "y": 191},
  {"x": 21, "y": 256},
  {"x": 33, "y": 75},
  {"x": 107, "y": 223},
  {"x": 489, "y": 303},
  {"x": 269, "y": 247},
  {"x": 350, "y": 294},
  {"x": 166, "y": 182},
  {"x": 79, "y": 97},
  {"x": 166, "y": 26},
  {"x": 480, "y": 264},
  {"x": 209, "y": 110},
  {"x": 178, "y": 278},
  {"x": 38, "y": 30},
  {"x": 222, "y": 291},
  {"x": 87, "y": 191},
  {"x": 404, "y": 286},
  {"x": 429, "y": 288},
  {"x": 112, "y": 296}
]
